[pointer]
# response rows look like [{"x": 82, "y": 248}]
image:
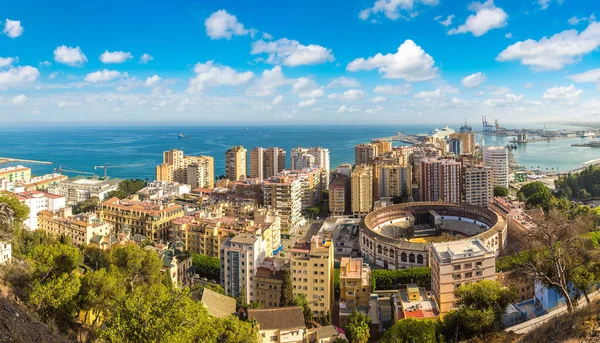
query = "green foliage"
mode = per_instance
[
  {"x": 54, "y": 260},
  {"x": 287, "y": 293},
  {"x": 306, "y": 311},
  {"x": 536, "y": 194},
  {"x": 511, "y": 262},
  {"x": 127, "y": 188},
  {"x": 313, "y": 210},
  {"x": 581, "y": 185},
  {"x": 55, "y": 296},
  {"x": 206, "y": 266},
  {"x": 95, "y": 258},
  {"x": 101, "y": 292},
  {"x": 336, "y": 283},
  {"x": 411, "y": 330},
  {"x": 25, "y": 240},
  {"x": 12, "y": 215},
  {"x": 357, "y": 330},
  {"x": 137, "y": 266},
  {"x": 212, "y": 286},
  {"x": 389, "y": 279},
  {"x": 500, "y": 191},
  {"x": 90, "y": 205}
]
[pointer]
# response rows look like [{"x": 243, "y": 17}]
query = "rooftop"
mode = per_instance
[
  {"x": 218, "y": 305},
  {"x": 449, "y": 251},
  {"x": 422, "y": 307},
  {"x": 282, "y": 318},
  {"x": 147, "y": 207}
]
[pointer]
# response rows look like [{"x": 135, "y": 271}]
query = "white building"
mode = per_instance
[
  {"x": 159, "y": 189},
  {"x": 5, "y": 252},
  {"x": 78, "y": 189},
  {"x": 284, "y": 195},
  {"x": 496, "y": 157},
  {"x": 479, "y": 189},
  {"x": 240, "y": 256},
  {"x": 301, "y": 158},
  {"x": 38, "y": 201}
]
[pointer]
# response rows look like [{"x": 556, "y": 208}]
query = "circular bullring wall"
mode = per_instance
[{"x": 392, "y": 253}]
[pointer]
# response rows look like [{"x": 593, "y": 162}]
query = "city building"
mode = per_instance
[
  {"x": 394, "y": 180},
  {"x": 283, "y": 194},
  {"x": 41, "y": 183},
  {"x": 456, "y": 263},
  {"x": 266, "y": 162},
  {"x": 412, "y": 301},
  {"x": 201, "y": 173},
  {"x": 325, "y": 334},
  {"x": 162, "y": 189},
  {"x": 268, "y": 282},
  {"x": 311, "y": 267},
  {"x": 284, "y": 324},
  {"x": 355, "y": 287},
  {"x": 344, "y": 169},
  {"x": 455, "y": 146},
  {"x": 301, "y": 158},
  {"x": 15, "y": 173},
  {"x": 175, "y": 168},
  {"x": 478, "y": 185},
  {"x": 311, "y": 183},
  {"x": 146, "y": 218},
  {"x": 240, "y": 256},
  {"x": 204, "y": 235},
  {"x": 80, "y": 188},
  {"x": 441, "y": 179},
  {"x": 362, "y": 190},
  {"x": 38, "y": 201},
  {"x": 177, "y": 265},
  {"x": 81, "y": 228},
  {"x": 365, "y": 153},
  {"x": 467, "y": 142},
  {"x": 496, "y": 157},
  {"x": 522, "y": 285},
  {"x": 339, "y": 195},
  {"x": 5, "y": 252},
  {"x": 235, "y": 163}
]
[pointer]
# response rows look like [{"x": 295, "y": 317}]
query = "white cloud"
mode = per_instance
[
  {"x": 410, "y": 63},
  {"x": 344, "y": 82},
  {"x": 378, "y": 99},
  {"x": 458, "y": 102},
  {"x": 588, "y": 76},
  {"x": 307, "y": 88},
  {"x": 569, "y": 93},
  {"x": 292, "y": 53},
  {"x": 268, "y": 82},
  {"x": 373, "y": 110},
  {"x": 102, "y": 76},
  {"x": 503, "y": 100},
  {"x": 45, "y": 64},
  {"x": 498, "y": 90},
  {"x": 6, "y": 61},
  {"x": 267, "y": 36},
  {"x": 307, "y": 103},
  {"x": 391, "y": 89},
  {"x": 544, "y": 3},
  {"x": 210, "y": 75},
  {"x": 394, "y": 9},
  {"x": 115, "y": 57},
  {"x": 18, "y": 77},
  {"x": 563, "y": 48},
  {"x": 66, "y": 104},
  {"x": 487, "y": 17},
  {"x": 344, "y": 109},
  {"x": 438, "y": 93},
  {"x": 277, "y": 100},
  {"x": 508, "y": 35},
  {"x": 221, "y": 24},
  {"x": 73, "y": 57},
  {"x": 574, "y": 20},
  {"x": 474, "y": 80},
  {"x": 445, "y": 22},
  {"x": 145, "y": 58},
  {"x": 19, "y": 99},
  {"x": 349, "y": 95},
  {"x": 13, "y": 28},
  {"x": 152, "y": 81}
]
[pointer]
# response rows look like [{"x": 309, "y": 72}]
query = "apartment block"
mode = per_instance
[
  {"x": 310, "y": 183},
  {"x": 39, "y": 201},
  {"x": 440, "y": 180},
  {"x": 479, "y": 189},
  {"x": 266, "y": 162},
  {"x": 146, "y": 218},
  {"x": 496, "y": 157},
  {"x": 201, "y": 172},
  {"x": 301, "y": 158},
  {"x": 81, "y": 228},
  {"x": 268, "y": 281},
  {"x": 240, "y": 256},
  {"x": 16, "y": 173},
  {"x": 362, "y": 190},
  {"x": 175, "y": 168},
  {"x": 311, "y": 267},
  {"x": 283, "y": 194},
  {"x": 394, "y": 180},
  {"x": 467, "y": 141},
  {"x": 339, "y": 195},
  {"x": 235, "y": 163},
  {"x": 364, "y": 153},
  {"x": 355, "y": 286},
  {"x": 161, "y": 189},
  {"x": 456, "y": 263},
  {"x": 78, "y": 189}
]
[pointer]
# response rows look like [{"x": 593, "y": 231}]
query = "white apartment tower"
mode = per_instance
[
  {"x": 496, "y": 157},
  {"x": 479, "y": 189},
  {"x": 301, "y": 158}
]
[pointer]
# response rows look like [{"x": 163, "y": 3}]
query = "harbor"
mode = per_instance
[{"x": 4, "y": 160}]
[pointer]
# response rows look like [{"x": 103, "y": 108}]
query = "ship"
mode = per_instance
[
  {"x": 592, "y": 144},
  {"x": 585, "y": 134},
  {"x": 181, "y": 135},
  {"x": 443, "y": 133}
]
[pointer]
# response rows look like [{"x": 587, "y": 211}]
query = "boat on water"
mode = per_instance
[
  {"x": 592, "y": 144},
  {"x": 443, "y": 133},
  {"x": 181, "y": 135},
  {"x": 586, "y": 134}
]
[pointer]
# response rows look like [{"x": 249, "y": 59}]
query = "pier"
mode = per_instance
[
  {"x": 401, "y": 138},
  {"x": 9, "y": 160}
]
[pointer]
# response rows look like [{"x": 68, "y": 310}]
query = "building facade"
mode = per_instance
[
  {"x": 268, "y": 281},
  {"x": 362, "y": 190},
  {"x": 235, "y": 163},
  {"x": 266, "y": 162},
  {"x": 78, "y": 189},
  {"x": 39, "y": 201},
  {"x": 301, "y": 158},
  {"x": 496, "y": 157},
  {"x": 201, "y": 172},
  {"x": 283, "y": 194},
  {"x": 16, "y": 173},
  {"x": 394, "y": 180},
  {"x": 339, "y": 195},
  {"x": 478, "y": 185},
  {"x": 355, "y": 286},
  {"x": 240, "y": 256},
  {"x": 440, "y": 180},
  {"x": 175, "y": 168},
  {"x": 81, "y": 228}
]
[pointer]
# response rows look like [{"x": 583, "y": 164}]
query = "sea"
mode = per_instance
[{"x": 134, "y": 152}]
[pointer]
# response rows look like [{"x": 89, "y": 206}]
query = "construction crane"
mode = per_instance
[
  {"x": 63, "y": 170},
  {"x": 107, "y": 166}
]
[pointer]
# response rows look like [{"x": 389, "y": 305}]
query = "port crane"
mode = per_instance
[
  {"x": 106, "y": 166},
  {"x": 64, "y": 170}
]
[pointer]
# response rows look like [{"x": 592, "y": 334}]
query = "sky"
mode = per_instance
[{"x": 351, "y": 62}]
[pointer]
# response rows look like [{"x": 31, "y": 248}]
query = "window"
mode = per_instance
[
  {"x": 469, "y": 274},
  {"x": 273, "y": 339},
  {"x": 468, "y": 265},
  {"x": 457, "y": 267},
  {"x": 456, "y": 276},
  {"x": 479, "y": 273},
  {"x": 478, "y": 264}
]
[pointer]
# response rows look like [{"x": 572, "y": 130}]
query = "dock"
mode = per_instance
[
  {"x": 401, "y": 138},
  {"x": 9, "y": 160}
]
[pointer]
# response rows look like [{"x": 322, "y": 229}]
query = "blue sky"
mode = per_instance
[{"x": 304, "y": 62}]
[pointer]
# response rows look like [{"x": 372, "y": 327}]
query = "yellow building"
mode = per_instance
[
  {"x": 175, "y": 169},
  {"x": 355, "y": 286},
  {"x": 456, "y": 263},
  {"x": 145, "y": 218},
  {"x": 339, "y": 195},
  {"x": 81, "y": 228},
  {"x": 203, "y": 235},
  {"x": 200, "y": 171},
  {"x": 393, "y": 180},
  {"x": 16, "y": 173},
  {"x": 285, "y": 324},
  {"x": 235, "y": 163},
  {"x": 311, "y": 268},
  {"x": 362, "y": 190},
  {"x": 266, "y": 162},
  {"x": 268, "y": 283},
  {"x": 467, "y": 140}
]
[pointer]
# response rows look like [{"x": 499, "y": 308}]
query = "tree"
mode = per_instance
[
  {"x": 12, "y": 215},
  {"x": 287, "y": 293},
  {"x": 500, "y": 191},
  {"x": 54, "y": 260},
  {"x": 389, "y": 279},
  {"x": 206, "y": 266},
  {"x": 586, "y": 279},
  {"x": 55, "y": 297},
  {"x": 411, "y": 330},
  {"x": 127, "y": 188},
  {"x": 306, "y": 311},
  {"x": 357, "y": 330},
  {"x": 557, "y": 247},
  {"x": 90, "y": 205},
  {"x": 137, "y": 266},
  {"x": 100, "y": 294}
]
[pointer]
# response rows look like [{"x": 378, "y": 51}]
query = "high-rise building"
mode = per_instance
[
  {"x": 240, "y": 256},
  {"x": 455, "y": 146},
  {"x": 365, "y": 153},
  {"x": 301, "y": 158},
  {"x": 284, "y": 195},
  {"x": 201, "y": 172},
  {"x": 394, "y": 180},
  {"x": 478, "y": 185},
  {"x": 268, "y": 282},
  {"x": 467, "y": 140},
  {"x": 383, "y": 146},
  {"x": 456, "y": 263},
  {"x": 362, "y": 190},
  {"x": 355, "y": 286},
  {"x": 339, "y": 195},
  {"x": 175, "y": 168},
  {"x": 266, "y": 162},
  {"x": 311, "y": 267},
  {"x": 311, "y": 182},
  {"x": 440, "y": 180},
  {"x": 496, "y": 157},
  {"x": 235, "y": 163}
]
